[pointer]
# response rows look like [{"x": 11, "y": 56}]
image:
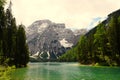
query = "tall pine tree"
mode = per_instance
[
  {"x": 13, "y": 47},
  {"x": 22, "y": 55},
  {"x": 2, "y": 30}
]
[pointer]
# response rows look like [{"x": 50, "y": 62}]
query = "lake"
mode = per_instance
[{"x": 65, "y": 71}]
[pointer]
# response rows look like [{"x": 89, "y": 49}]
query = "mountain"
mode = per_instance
[
  {"x": 48, "y": 40},
  {"x": 101, "y": 45}
]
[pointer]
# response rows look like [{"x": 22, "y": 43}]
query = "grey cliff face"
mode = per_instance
[{"x": 48, "y": 40}]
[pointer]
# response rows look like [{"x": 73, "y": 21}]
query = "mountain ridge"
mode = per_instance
[
  {"x": 99, "y": 46},
  {"x": 51, "y": 39}
]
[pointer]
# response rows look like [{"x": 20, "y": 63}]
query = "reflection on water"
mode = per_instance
[{"x": 65, "y": 71}]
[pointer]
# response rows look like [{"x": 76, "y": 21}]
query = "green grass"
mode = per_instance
[{"x": 5, "y": 72}]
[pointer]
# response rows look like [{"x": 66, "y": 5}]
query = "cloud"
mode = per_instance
[
  {"x": 95, "y": 21},
  {"x": 74, "y": 13}
]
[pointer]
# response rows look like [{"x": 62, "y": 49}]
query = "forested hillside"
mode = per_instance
[
  {"x": 101, "y": 45},
  {"x": 13, "y": 47}
]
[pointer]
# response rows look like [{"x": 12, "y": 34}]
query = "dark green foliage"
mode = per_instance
[
  {"x": 1, "y": 53},
  {"x": 2, "y": 33},
  {"x": 102, "y": 46},
  {"x": 69, "y": 56},
  {"x": 11, "y": 37},
  {"x": 83, "y": 47},
  {"x": 13, "y": 47},
  {"x": 22, "y": 54},
  {"x": 44, "y": 55}
]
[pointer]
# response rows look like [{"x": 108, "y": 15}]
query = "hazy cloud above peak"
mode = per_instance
[{"x": 74, "y": 13}]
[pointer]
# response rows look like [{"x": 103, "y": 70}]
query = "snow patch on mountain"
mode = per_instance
[{"x": 65, "y": 43}]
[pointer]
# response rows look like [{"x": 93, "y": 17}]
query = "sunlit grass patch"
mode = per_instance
[{"x": 5, "y": 72}]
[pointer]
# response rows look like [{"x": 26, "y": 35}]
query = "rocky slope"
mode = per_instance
[{"x": 48, "y": 40}]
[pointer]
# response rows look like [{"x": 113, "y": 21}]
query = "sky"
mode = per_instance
[{"x": 74, "y": 13}]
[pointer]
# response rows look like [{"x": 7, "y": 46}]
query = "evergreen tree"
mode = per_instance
[
  {"x": 113, "y": 34},
  {"x": 100, "y": 45},
  {"x": 83, "y": 50},
  {"x": 13, "y": 47},
  {"x": 22, "y": 55},
  {"x": 1, "y": 53},
  {"x": 2, "y": 31},
  {"x": 2, "y": 22},
  {"x": 9, "y": 36}
]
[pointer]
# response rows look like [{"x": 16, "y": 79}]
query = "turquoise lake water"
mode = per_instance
[{"x": 65, "y": 71}]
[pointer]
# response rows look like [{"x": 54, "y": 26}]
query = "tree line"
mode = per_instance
[
  {"x": 100, "y": 46},
  {"x": 13, "y": 47}
]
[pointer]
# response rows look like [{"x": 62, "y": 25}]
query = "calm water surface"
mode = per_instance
[{"x": 65, "y": 71}]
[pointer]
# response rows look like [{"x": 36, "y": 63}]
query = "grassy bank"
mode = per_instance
[{"x": 5, "y": 72}]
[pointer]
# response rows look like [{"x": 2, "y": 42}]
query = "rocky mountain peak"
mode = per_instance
[{"x": 51, "y": 39}]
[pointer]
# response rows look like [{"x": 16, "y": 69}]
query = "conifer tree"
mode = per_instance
[
  {"x": 22, "y": 55},
  {"x": 9, "y": 19},
  {"x": 2, "y": 31},
  {"x": 13, "y": 47}
]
